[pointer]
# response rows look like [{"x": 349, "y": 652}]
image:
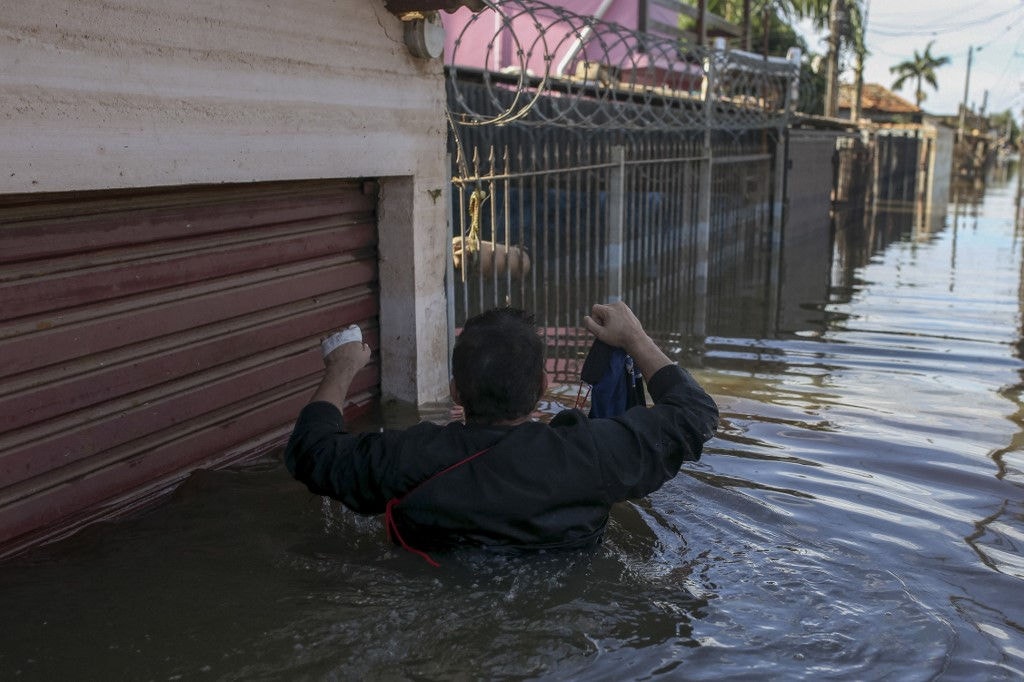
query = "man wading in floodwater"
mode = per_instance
[{"x": 501, "y": 480}]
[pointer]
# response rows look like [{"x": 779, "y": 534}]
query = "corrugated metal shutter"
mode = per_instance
[{"x": 144, "y": 334}]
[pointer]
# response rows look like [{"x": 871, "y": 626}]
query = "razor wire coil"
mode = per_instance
[{"x": 533, "y": 63}]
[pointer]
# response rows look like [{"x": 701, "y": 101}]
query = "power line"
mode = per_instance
[
  {"x": 1008, "y": 28},
  {"x": 875, "y": 50},
  {"x": 913, "y": 15},
  {"x": 897, "y": 31},
  {"x": 943, "y": 25},
  {"x": 996, "y": 89}
]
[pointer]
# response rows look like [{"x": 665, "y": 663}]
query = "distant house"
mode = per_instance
[
  {"x": 879, "y": 104},
  {"x": 593, "y": 40}
]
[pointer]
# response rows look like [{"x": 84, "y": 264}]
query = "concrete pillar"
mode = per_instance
[{"x": 413, "y": 308}]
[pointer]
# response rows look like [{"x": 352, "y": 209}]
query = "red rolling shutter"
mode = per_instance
[{"x": 144, "y": 334}]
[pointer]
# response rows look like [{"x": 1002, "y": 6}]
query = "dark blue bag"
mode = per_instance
[{"x": 616, "y": 383}]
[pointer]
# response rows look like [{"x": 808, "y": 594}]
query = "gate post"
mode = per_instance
[
  {"x": 616, "y": 222},
  {"x": 705, "y": 185}
]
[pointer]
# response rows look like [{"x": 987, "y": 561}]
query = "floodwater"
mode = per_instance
[{"x": 859, "y": 516}]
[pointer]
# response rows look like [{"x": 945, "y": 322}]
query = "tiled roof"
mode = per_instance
[{"x": 874, "y": 97}]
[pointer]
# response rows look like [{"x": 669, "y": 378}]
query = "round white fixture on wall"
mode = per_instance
[{"x": 425, "y": 36}]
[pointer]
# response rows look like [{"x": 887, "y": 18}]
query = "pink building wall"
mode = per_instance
[{"x": 493, "y": 42}]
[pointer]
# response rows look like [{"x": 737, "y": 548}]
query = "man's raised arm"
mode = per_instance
[{"x": 616, "y": 325}]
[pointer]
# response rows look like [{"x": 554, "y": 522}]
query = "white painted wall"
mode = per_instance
[{"x": 101, "y": 94}]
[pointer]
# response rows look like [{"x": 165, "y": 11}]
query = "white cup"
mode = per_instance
[{"x": 347, "y": 335}]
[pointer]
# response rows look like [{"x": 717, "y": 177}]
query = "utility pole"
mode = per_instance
[{"x": 967, "y": 89}]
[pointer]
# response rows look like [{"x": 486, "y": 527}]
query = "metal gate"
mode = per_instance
[
  {"x": 567, "y": 219},
  {"x": 144, "y": 334},
  {"x": 593, "y": 161}
]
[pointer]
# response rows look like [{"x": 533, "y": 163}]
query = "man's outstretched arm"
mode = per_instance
[
  {"x": 323, "y": 455},
  {"x": 644, "y": 447},
  {"x": 342, "y": 364}
]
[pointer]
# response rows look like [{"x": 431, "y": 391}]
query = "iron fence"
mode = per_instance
[
  {"x": 853, "y": 170},
  {"x": 602, "y": 164},
  {"x": 897, "y": 166},
  {"x": 567, "y": 220}
]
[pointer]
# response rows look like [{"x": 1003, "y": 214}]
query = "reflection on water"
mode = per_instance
[{"x": 860, "y": 515}]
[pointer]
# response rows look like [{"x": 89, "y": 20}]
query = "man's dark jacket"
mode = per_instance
[{"x": 533, "y": 485}]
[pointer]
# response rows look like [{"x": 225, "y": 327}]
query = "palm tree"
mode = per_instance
[
  {"x": 845, "y": 21},
  {"x": 920, "y": 68}
]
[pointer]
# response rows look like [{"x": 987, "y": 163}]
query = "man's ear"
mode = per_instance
[
  {"x": 543, "y": 385},
  {"x": 453, "y": 391}
]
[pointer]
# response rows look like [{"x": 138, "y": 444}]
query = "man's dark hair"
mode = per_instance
[{"x": 498, "y": 365}]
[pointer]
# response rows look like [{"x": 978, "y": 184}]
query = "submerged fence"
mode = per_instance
[
  {"x": 893, "y": 168},
  {"x": 592, "y": 162}
]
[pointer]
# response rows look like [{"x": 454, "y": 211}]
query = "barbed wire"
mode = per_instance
[{"x": 531, "y": 62}]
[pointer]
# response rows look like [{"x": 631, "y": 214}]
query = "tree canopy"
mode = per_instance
[{"x": 921, "y": 69}]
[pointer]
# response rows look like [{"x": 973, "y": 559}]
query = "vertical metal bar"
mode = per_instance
[
  {"x": 777, "y": 228},
  {"x": 464, "y": 263},
  {"x": 492, "y": 197},
  {"x": 616, "y": 222},
  {"x": 650, "y": 227},
  {"x": 638, "y": 227},
  {"x": 670, "y": 253},
  {"x": 592, "y": 196},
  {"x": 476, "y": 217},
  {"x": 506, "y": 196},
  {"x": 663, "y": 236},
  {"x": 547, "y": 284},
  {"x": 703, "y": 238},
  {"x": 560, "y": 230},
  {"x": 580, "y": 230},
  {"x": 449, "y": 270},
  {"x": 679, "y": 266},
  {"x": 660, "y": 223},
  {"x": 693, "y": 209},
  {"x": 522, "y": 228},
  {"x": 630, "y": 246},
  {"x": 603, "y": 184},
  {"x": 539, "y": 255},
  {"x": 652, "y": 208},
  {"x": 595, "y": 218}
]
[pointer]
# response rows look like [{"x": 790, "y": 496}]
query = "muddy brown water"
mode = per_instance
[{"x": 859, "y": 516}]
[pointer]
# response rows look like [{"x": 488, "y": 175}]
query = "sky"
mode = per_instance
[{"x": 994, "y": 28}]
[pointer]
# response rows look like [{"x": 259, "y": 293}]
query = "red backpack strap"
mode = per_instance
[{"x": 389, "y": 517}]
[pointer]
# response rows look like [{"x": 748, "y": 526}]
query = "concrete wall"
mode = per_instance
[
  {"x": 137, "y": 93},
  {"x": 941, "y": 167}
]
